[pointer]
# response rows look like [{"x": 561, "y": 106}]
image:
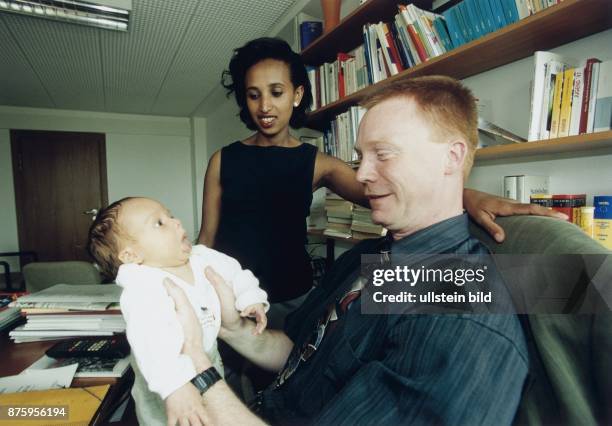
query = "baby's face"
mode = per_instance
[{"x": 157, "y": 237}]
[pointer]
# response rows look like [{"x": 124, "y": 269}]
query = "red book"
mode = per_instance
[
  {"x": 418, "y": 44},
  {"x": 395, "y": 56},
  {"x": 565, "y": 203},
  {"x": 586, "y": 95},
  {"x": 342, "y": 58}
]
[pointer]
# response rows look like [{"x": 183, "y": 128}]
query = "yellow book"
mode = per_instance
[
  {"x": 566, "y": 103},
  {"x": 80, "y": 405},
  {"x": 556, "y": 109}
]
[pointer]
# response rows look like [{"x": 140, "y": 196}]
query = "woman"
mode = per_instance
[{"x": 257, "y": 192}]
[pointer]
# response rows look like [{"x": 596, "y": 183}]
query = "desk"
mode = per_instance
[{"x": 16, "y": 357}]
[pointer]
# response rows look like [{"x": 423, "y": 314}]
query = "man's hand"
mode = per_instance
[
  {"x": 258, "y": 312},
  {"x": 230, "y": 319},
  {"x": 484, "y": 208},
  {"x": 184, "y": 406},
  {"x": 193, "y": 346}
]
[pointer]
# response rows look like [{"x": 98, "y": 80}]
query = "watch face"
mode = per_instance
[{"x": 206, "y": 379}]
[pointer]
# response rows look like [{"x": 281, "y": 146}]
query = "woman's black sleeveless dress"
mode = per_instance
[{"x": 266, "y": 196}]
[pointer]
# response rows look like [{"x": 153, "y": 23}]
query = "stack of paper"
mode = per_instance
[
  {"x": 8, "y": 316},
  {"x": 64, "y": 311}
]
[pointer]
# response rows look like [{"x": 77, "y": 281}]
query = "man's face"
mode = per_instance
[
  {"x": 154, "y": 234},
  {"x": 402, "y": 165}
]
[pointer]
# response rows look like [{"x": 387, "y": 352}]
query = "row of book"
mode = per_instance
[
  {"x": 569, "y": 97},
  {"x": 65, "y": 311},
  {"x": 346, "y": 220},
  {"x": 595, "y": 221},
  {"x": 339, "y": 139},
  {"x": 413, "y": 37}
]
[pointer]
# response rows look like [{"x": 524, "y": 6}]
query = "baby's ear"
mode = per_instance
[{"x": 129, "y": 255}]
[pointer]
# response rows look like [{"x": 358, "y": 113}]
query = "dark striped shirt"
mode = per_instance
[{"x": 402, "y": 369}]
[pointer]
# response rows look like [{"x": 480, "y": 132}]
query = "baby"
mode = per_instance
[{"x": 141, "y": 243}]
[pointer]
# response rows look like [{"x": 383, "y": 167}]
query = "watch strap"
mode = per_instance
[{"x": 206, "y": 379}]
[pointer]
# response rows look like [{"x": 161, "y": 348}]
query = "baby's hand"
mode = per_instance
[{"x": 258, "y": 312}]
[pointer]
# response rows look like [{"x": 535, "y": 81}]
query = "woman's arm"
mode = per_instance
[
  {"x": 483, "y": 208},
  {"x": 339, "y": 177},
  {"x": 211, "y": 201}
]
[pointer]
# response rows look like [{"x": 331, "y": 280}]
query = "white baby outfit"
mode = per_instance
[{"x": 154, "y": 333}]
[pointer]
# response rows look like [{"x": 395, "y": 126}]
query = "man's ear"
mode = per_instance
[
  {"x": 130, "y": 255},
  {"x": 455, "y": 156}
]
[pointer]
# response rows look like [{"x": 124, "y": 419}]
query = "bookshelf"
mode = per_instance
[
  {"x": 586, "y": 143},
  {"x": 348, "y": 34},
  {"x": 552, "y": 27}
]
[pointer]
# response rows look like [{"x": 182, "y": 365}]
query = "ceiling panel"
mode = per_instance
[
  {"x": 218, "y": 28},
  {"x": 167, "y": 63},
  {"x": 196, "y": 69},
  {"x": 66, "y": 57},
  {"x": 19, "y": 85},
  {"x": 136, "y": 63}
]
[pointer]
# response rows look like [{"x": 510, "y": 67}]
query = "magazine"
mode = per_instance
[{"x": 88, "y": 367}]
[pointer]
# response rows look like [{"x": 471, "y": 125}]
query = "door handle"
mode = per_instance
[{"x": 91, "y": 212}]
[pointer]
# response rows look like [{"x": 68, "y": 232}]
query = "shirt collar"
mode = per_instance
[{"x": 437, "y": 238}]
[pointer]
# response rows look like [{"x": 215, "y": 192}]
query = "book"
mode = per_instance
[
  {"x": 593, "y": 97},
  {"x": 566, "y": 103},
  {"x": 540, "y": 59},
  {"x": 544, "y": 200},
  {"x": 509, "y": 187},
  {"x": 309, "y": 32},
  {"x": 565, "y": 203},
  {"x": 88, "y": 366},
  {"x": 577, "y": 93},
  {"x": 301, "y": 42},
  {"x": 556, "y": 105},
  {"x": 586, "y": 95},
  {"x": 527, "y": 186},
  {"x": 552, "y": 68},
  {"x": 602, "y": 223},
  {"x": 8, "y": 316},
  {"x": 603, "y": 102}
]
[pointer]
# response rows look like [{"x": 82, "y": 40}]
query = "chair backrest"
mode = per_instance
[
  {"x": 570, "y": 355},
  {"x": 40, "y": 275}
]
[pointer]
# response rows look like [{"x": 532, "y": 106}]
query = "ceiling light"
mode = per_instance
[{"x": 108, "y": 14}]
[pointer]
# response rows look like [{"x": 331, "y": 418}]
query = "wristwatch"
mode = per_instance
[{"x": 206, "y": 379}]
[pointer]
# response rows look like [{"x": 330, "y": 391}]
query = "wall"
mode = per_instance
[{"x": 146, "y": 155}]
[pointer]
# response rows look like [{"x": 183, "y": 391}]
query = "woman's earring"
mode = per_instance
[{"x": 295, "y": 104}]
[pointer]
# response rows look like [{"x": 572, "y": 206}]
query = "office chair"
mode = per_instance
[{"x": 40, "y": 275}]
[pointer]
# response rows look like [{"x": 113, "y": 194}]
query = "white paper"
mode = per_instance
[
  {"x": 109, "y": 293},
  {"x": 33, "y": 380}
]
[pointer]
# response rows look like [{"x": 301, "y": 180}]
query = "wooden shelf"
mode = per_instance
[
  {"x": 557, "y": 25},
  {"x": 580, "y": 143},
  {"x": 348, "y": 34}
]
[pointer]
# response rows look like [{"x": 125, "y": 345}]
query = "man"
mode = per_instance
[{"x": 339, "y": 366}]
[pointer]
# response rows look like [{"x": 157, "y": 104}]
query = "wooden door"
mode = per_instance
[{"x": 58, "y": 176}]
